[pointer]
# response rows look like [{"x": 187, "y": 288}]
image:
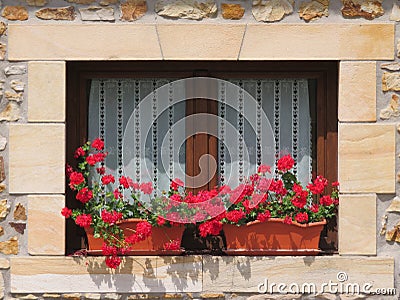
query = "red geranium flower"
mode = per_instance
[
  {"x": 262, "y": 217},
  {"x": 83, "y": 220},
  {"x": 285, "y": 163},
  {"x": 113, "y": 262},
  {"x": 173, "y": 245},
  {"x": 98, "y": 144},
  {"x": 75, "y": 178},
  {"x": 302, "y": 217},
  {"x": 146, "y": 188},
  {"x": 106, "y": 179},
  {"x": 235, "y": 215},
  {"x": 84, "y": 195},
  {"x": 264, "y": 169},
  {"x": 66, "y": 212},
  {"x": 79, "y": 152},
  {"x": 326, "y": 200},
  {"x": 212, "y": 227},
  {"x": 176, "y": 183}
]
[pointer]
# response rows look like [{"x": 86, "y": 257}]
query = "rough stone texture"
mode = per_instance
[
  {"x": 4, "y": 263},
  {"x": 76, "y": 42},
  {"x": 390, "y": 81},
  {"x": 393, "y": 235},
  {"x": 28, "y": 297},
  {"x": 271, "y": 11},
  {"x": 81, "y": 1},
  {"x": 357, "y": 91},
  {"x": 1, "y": 231},
  {"x": 366, "y": 158},
  {"x": 12, "y": 96},
  {"x": 108, "y": 2},
  {"x": 10, "y": 246},
  {"x": 4, "y": 209},
  {"x": 394, "y": 205},
  {"x": 313, "y": 10},
  {"x": 37, "y": 2},
  {"x": 316, "y": 41},
  {"x": 46, "y": 85},
  {"x": 3, "y": 50},
  {"x": 36, "y": 158},
  {"x": 391, "y": 66},
  {"x": 3, "y": 142},
  {"x": 15, "y": 70},
  {"x": 51, "y": 296},
  {"x": 11, "y": 112},
  {"x": 186, "y": 9},
  {"x": 395, "y": 13},
  {"x": 17, "y": 85},
  {"x": 15, "y": 13},
  {"x": 392, "y": 110},
  {"x": 211, "y": 41},
  {"x": 132, "y": 10},
  {"x": 74, "y": 296},
  {"x": 97, "y": 13},
  {"x": 92, "y": 296},
  {"x": 211, "y": 296},
  {"x": 45, "y": 219},
  {"x": 3, "y": 28},
  {"x": 112, "y": 296},
  {"x": 357, "y": 234},
  {"x": 232, "y": 11},
  {"x": 60, "y": 13},
  {"x": 368, "y": 9},
  {"x": 20, "y": 212},
  {"x": 18, "y": 227}
]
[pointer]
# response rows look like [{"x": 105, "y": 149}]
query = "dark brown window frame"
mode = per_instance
[{"x": 80, "y": 73}]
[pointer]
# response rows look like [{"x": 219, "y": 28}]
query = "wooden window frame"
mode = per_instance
[{"x": 80, "y": 73}]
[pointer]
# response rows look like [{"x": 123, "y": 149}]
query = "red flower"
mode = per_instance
[
  {"x": 288, "y": 220},
  {"x": 111, "y": 217},
  {"x": 300, "y": 198},
  {"x": 173, "y": 245},
  {"x": 83, "y": 220},
  {"x": 106, "y": 179},
  {"x": 276, "y": 186},
  {"x": 124, "y": 181},
  {"x": 79, "y": 152},
  {"x": 176, "y": 183},
  {"x": 84, "y": 195},
  {"x": 146, "y": 188},
  {"x": 143, "y": 230},
  {"x": 326, "y": 200},
  {"x": 285, "y": 163},
  {"x": 99, "y": 157},
  {"x": 314, "y": 208},
  {"x": 117, "y": 194},
  {"x": 98, "y": 144},
  {"x": 113, "y": 262},
  {"x": 91, "y": 160},
  {"x": 101, "y": 171},
  {"x": 212, "y": 227},
  {"x": 264, "y": 169},
  {"x": 75, "y": 178},
  {"x": 262, "y": 217},
  {"x": 109, "y": 250},
  {"x": 235, "y": 215},
  {"x": 66, "y": 212},
  {"x": 318, "y": 185},
  {"x": 176, "y": 197},
  {"x": 264, "y": 184},
  {"x": 302, "y": 217},
  {"x": 160, "y": 221},
  {"x": 68, "y": 170},
  {"x": 335, "y": 184}
]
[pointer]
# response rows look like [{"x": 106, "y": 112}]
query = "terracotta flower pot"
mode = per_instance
[
  {"x": 153, "y": 245},
  {"x": 273, "y": 237}
]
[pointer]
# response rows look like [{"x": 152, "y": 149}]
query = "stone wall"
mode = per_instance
[{"x": 38, "y": 37}]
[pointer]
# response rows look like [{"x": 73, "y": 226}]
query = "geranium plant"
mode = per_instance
[{"x": 103, "y": 204}]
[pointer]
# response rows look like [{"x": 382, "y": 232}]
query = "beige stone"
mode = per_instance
[
  {"x": 271, "y": 11},
  {"x": 112, "y": 296},
  {"x": 390, "y": 81},
  {"x": 76, "y": 42},
  {"x": 15, "y": 13},
  {"x": 368, "y": 9},
  {"x": 383, "y": 225},
  {"x": 211, "y": 296},
  {"x": 232, "y": 11},
  {"x": 244, "y": 274},
  {"x": 11, "y": 112},
  {"x": 186, "y": 9},
  {"x": 97, "y": 13},
  {"x": 58, "y": 13},
  {"x": 46, "y": 85},
  {"x": 393, "y": 235},
  {"x": 81, "y": 1},
  {"x": 36, "y": 158},
  {"x": 74, "y": 296},
  {"x": 367, "y": 158},
  {"x": 317, "y": 42},
  {"x": 4, "y": 209},
  {"x": 313, "y": 10},
  {"x": 391, "y": 66},
  {"x": 357, "y": 223},
  {"x": 92, "y": 296},
  {"x": 3, "y": 28},
  {"x": 3, "y": 50},
  {"x": 36, "y": 2},
  {"x": 51, "y": 296},
  {"x": 15, "y": 70},
  {"x": 45, "y": 220},
  {"x": 394, "y": 205},
  {"x": 20, "y": 212},
  {"x": 395, "y": 13},
  {"x": 211, "y": 42},
  {"x": 10, "y": 246},
  {"x": 4, "y": 263},
  {"x": 392, "y": 110},
  {"x": 357, "y": 92},
  {"x": 108, "y": 2},
  {"x": 132, "y": 10},
  {"x": 12, "y": 96},
  {"x": 28, "y": 297},
  {"x": 17, "y": 85}
]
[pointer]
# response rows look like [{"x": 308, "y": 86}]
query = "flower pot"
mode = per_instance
[
  {"x": 153, "y": 245},
  {"x": 273, "y": 237}
]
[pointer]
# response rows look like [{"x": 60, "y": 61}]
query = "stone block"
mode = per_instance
[
  {"x": 78, "y": 41},
  {"x": 357, "y": 224},
  {"x": 46, "y": 91},
  {"x": 367, "y": 158},
  {"x": 357, "y": 92},
  {"x": 46, "y": 225},
  {"x": 37, "y": 158},
  {"x": 318, "y": 41},
  {"x": 210, "y": 41}
]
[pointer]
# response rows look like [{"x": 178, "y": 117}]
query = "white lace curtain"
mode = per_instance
[{"x": 285, "y": 103}]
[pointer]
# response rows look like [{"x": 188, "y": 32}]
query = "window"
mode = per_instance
[{"x": 298, "y": 99}]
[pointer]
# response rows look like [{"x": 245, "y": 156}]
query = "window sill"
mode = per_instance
[{"x": 171, "y": 274}]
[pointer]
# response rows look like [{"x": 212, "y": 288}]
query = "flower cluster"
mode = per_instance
[{"x": 103, "y": 206}]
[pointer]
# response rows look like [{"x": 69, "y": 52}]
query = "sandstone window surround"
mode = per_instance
[{"x": 359, "y": 135}]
